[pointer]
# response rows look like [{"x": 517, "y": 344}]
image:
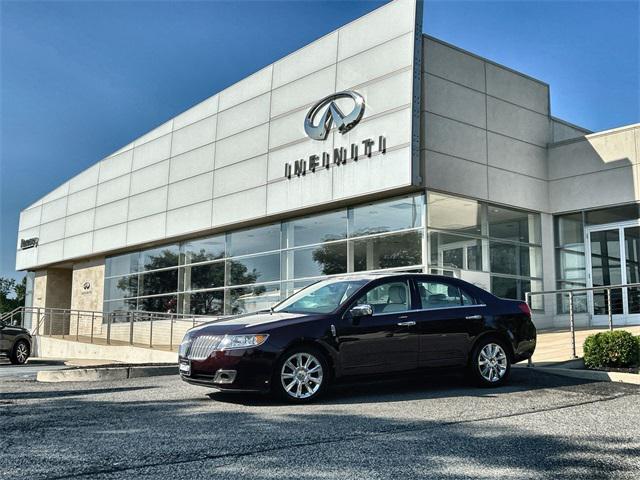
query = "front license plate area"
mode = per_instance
[{"x": 185, "y": 368}]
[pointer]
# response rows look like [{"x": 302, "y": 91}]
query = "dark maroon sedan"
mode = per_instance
[{"x": 355, "y": 326}]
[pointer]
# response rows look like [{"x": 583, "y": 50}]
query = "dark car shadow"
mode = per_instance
[{"x": 409, "y": 387}]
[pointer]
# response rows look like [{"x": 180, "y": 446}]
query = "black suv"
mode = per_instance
[{"x": 15, "y": 342}]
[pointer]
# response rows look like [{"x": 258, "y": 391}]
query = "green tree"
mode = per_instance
[{"x": 12, "y": 293}]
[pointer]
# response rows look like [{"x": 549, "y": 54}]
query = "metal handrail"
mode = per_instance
[{"x": 571, "y": 292}]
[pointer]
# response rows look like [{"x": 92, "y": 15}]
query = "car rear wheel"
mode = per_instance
[
  {"x": 490, "y": 364},
  {"x": 20, "y": 353},
  {"x": 301, "y": 375}
]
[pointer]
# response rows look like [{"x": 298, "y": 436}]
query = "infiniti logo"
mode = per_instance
[{"x": 333, "y": 114}]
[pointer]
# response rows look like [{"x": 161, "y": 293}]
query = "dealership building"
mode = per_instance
[{"x": 375, "y": 147}]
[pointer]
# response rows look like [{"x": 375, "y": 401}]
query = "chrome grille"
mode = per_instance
[{"x": 203, "y": 346}]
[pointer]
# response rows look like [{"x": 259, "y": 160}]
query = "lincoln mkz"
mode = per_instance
[{"x": 349, "y": 327}]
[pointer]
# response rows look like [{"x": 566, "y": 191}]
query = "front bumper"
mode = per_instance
[{"x": 252, "y": 370}]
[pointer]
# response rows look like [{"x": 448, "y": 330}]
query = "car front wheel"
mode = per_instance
[
  {"x": 490, "y": 363},
  {"x": 20, "y": 353},
  {"x": 301, "y": 375}
]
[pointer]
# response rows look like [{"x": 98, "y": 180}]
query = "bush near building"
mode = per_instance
[{"x": 612, "y": 349}]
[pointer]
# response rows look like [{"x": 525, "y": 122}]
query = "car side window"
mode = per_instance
[
  {"x": 388, "y": 297},
  {"x": 442, "y": 295}
]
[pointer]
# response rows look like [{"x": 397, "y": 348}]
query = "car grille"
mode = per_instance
[{"x": 203, "y": 346}]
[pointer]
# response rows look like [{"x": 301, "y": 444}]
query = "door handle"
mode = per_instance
[
  {"x": 474, "y": 317},
  {"x": 406, "y": 324}
]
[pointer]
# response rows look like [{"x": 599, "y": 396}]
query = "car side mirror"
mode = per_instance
[{"x": 360, "y": 311}]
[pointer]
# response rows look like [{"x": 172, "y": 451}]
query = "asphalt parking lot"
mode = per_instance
[{"x": 540, "y": 426}]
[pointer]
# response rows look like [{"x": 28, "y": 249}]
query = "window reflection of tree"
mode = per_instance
[{"x": 332, "y": 258}]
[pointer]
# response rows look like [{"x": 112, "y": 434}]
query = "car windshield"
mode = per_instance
[{"x": 321, "y": 297}]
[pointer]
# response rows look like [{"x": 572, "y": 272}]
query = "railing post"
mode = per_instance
[
  {"x": 78, "y": 328},
  {"x": 93, "y": 317},
  {"x": 572, "y": 324},
  {"x": 109, "y": 329},
  {"x": 610, "y": 310},
  {"x": 527, "y": 300},
  {"x": 130, "y": 327},
  {"x": 151, "y": 332},
  {"x": 171, "y": 333}
]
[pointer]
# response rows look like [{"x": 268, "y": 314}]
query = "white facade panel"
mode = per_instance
[
  {"x": 82, "y": 200},
  {"x": 453, "y": 64},
  {"x": 78, "y": 246},
  {"x": 226, "y": 209},
  {"x": 454, "y": 101},
  {"x": 54, "y": 210},
  {"x": 518, "y": 89},
  {"x": 309, "y": 59},
  {"x": 31, "y": 217},
  {"x": 111, "y": 213},
  {"x": 152, "y": 152},
  {"x": 240, "y": 176},
  {"x": 49, "y": 252},
  {"x": 194, "y": 136},
  {"x": 113, "y": 190},
  {"x": 517, "y": 122},
  {"x": 86, "y": 179},
  {"x": 198, "y": 112},
  {"x": 192, "y": 190},
  {"x": 517, "y": 156},
  {"x": 79, "y": 223},
  {"x": 306, "y": 191},
  {"x": 454, "y": 138},
  {"x": 191, "y": 218},
  {"x": 244, "y": 145},
  {"x": 192, "y": 163},
  {"x": 456, "y": 175},
  {"x": 110, "y": 238},
  {"x": 250, "y": 87},
  {"x": 522, "y": 191},
  {"x": 149, "y": 178},
  {"x": 146, "y": 229},
  {"x": 148, "y": 203},
  {"x": 157, "y": 132},
  {"x": 116, "y": 166},
  {"x": 304, "y": 91},
  {"x": 243, "y": 116},
  {"x": 49, "y": 232}
]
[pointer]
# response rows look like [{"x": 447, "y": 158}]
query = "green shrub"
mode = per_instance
[{"x": 611, "y": 349}]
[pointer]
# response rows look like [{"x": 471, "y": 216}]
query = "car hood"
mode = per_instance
[{"x": 260, "y": 322}]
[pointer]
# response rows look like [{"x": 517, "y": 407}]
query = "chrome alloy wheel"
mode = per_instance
[
  {"x": 492, "y": 362},
  {"x": 301, "y": 375},
  {"x": 22, "y": 353}
]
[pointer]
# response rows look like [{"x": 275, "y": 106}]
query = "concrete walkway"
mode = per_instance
[{"x": 555, "y": 345}]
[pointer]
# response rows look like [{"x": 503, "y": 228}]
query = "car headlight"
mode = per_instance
[{"x": 232, "y": 342}]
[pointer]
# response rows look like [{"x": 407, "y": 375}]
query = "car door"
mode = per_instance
[
  {"x": 449, "y": 318},
  {"x": 385, "y": 341}
]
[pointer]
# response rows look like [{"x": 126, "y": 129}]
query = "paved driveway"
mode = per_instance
[{"x": 541, "y": 426}]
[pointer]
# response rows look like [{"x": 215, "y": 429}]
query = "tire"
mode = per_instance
[
  {"x": 490, "y": 363},
  {"x": 301, "y": 375},
  {"x": 20, "y": 352}
]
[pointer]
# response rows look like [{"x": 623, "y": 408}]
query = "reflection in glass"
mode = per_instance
[
  {"x": 515, "y": 288},
  {"x": 261, "y": 268},
  {"x": 252, "y": 299},
  {"x": 386, "y": 216},
  {"x": 203, "y": 303},
  {"x": 514, "y": 259},
  {"x": 318, "y": 228},
  {"x": 254, "y": 240},
  {"x": 606, "y": 269},
  {"x": 570, "y": 231},
  {"x": 199, "y": 277},
  {"x": 122, "y": 264},
  {"x": 164, "y": 281},
  {"x": 515, "y": 225},
  {"x": 632, "y": 260},
  {"x": 161, "y": 257},
  {"x": 453, "y": 213},
  {"x": 328, "y": 259},
  {"x": 455, "y": 251},
  {"x": 211, "y": 248},
  {"x": 388, "y": 251},
  {"x": 120, "y": 287},
  {"x": 123, "y": 305},
  {"x": 165, "y": 304}
]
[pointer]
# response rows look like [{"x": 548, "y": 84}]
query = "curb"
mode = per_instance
[
  {"x": 104, "y": 374},
  {"x": 597, "y": 375}
]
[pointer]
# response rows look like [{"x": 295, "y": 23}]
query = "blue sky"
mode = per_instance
[{"x": 81, "y": 79}]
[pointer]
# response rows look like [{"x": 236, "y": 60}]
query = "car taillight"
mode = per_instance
[{"x": 525, "y": 308}]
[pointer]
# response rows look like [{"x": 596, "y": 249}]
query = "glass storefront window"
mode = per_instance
[
  {"x": 253, "y": 240},
  {"x": 387, "y": 251},
  {"x": 251, "y": 299},
  {"x": 612, "y": 215},
  {"x": 161, "y": 257},
  {"x": 455, "y": 214},
  {"x": 515, "y": 225},
  {"x": 511, "y": 259},
  {"x": 122, "y": 264},
  {"x": 203, "y": 303},
  {"x": 247, "y": 270},
  {"x": 329, "y": 259},
  {"x": 121, "y": 287},
  {"x": 387, "y": 216},
  {"x": 455, "y": 251},
  {"x": 165, "y": 304},
  {"x": 570, "y": 231},
  {"x": 212, "y": 248},
  {"x": 122, "y": 305},
  {"x": 199, "y": 277},
  {"x": 164, "y": 281},
  {"x": 318, "y": 229}
]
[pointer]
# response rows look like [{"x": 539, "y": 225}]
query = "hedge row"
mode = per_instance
[{"x": 612, "y": 349}]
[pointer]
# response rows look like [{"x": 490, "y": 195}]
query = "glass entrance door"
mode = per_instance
[{"x": 614, "y": 259}]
